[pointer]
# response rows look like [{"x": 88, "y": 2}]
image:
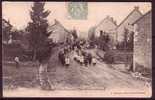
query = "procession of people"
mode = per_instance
[{"x": 79, "y": 54}]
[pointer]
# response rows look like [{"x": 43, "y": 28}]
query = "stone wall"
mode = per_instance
[{"x": 143, "y": 42}]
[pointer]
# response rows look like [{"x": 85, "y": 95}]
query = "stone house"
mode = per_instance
[
  {"x": 132, "y": 17},
  {"x": 143, "y": 41},
  {"x": 107, "y": 25},
  {"x": 58, "y": 33}
]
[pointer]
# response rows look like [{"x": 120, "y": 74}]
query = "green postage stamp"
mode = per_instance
[{"x": 77, "y": 10}]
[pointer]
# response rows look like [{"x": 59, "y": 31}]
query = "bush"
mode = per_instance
[{"x": 11, "y": 51}]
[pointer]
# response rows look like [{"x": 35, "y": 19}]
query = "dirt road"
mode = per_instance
[
  {"x": 102, "y": 76},
  {"x": 77, "y": 77}
]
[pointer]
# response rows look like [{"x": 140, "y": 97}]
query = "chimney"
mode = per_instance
[
  {"x": 111, "y": 18},
  {"x": 136, "y": 7},
  {"x": 108, "y": 16},
  {"x": 115, "y": 22},
  {"x": 56, "y": 21}
]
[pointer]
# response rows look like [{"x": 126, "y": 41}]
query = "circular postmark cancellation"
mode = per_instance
[{"x": 77, "y": 10}]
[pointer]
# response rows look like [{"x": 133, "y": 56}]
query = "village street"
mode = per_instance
[
  {"x": 76, "y": 77},
  {"x": 102, "y": 76},
  {"x": 75, "y": 52}
]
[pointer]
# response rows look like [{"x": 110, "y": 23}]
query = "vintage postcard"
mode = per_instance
[{"x": 77, "y": 49}]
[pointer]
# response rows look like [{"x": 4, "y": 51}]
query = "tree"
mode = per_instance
[
  {"x": 38, "y": 38},
  {"x": 74, "y": 33},
  {"x": 107, "y": 38},
  {"x": 131, "y": 40},
  {"x": 6, "y": 29},
  {"x": 125, "y": 41},
  {"x": 128, "y": 40},
  {"x": 17, "y": 34},
  {"x": 92, "y": 40},
  {"x": 37, "y": 28},
  {"x": 91, "y": 32},
  {"x": 91, "y": 36}
]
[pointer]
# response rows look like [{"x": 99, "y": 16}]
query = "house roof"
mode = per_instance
[
  {"x": 57, "y": 23},
  {"x": 142, "y": 17},
  {"x": 3, "y": 20},
  {"x": 104, "y": 20},
  {"x": 136, "y": 9}
]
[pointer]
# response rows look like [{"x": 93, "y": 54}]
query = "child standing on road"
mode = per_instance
[
  {"x": 89, "y": 58},
  {"x": 94, "y": 61},
  {"x": 67, "y": 61},
  {"x": 86, "y": 59},
  {"x": 17, "y": 61}
]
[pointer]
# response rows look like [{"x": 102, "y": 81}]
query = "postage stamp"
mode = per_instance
[{"x": 77, "y": 10}]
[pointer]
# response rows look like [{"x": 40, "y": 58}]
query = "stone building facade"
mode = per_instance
[
  {"x": 108, "y": 26},
  {"x": 143, "y": 41},
  {"x": 58, "y": 32},
  {"x": 132, "y": 17}
]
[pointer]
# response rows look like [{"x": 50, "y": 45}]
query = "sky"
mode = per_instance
[{"x": 18, "y": 13}]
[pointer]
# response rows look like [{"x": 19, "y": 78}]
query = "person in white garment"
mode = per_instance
[
  {"x": 67, "y": 61},
  {"x": 17, "y": 61},
  {"x": 94, "y": 61}
]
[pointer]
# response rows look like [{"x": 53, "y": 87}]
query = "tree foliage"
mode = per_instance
[
  {"x": 37, "y": 28},
  {"x": 91, "y": 33},
  {"x": 127, "y": 43},
  {"x": 6, "y": 29},
  {"x": 104, "y": 41},
  {"x": 92, "y": 37},
  {"x": 128, "y": 39},
  {"x": 74, "y": 33}
]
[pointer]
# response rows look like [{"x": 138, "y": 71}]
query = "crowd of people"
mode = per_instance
[
  {"x": 84, "y": 58},
  {"x": 64, "y": 56},
  {"x": 79, "y": 54}
]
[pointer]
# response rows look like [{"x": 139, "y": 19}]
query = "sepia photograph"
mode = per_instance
[{"x": 77, "y": 49}]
